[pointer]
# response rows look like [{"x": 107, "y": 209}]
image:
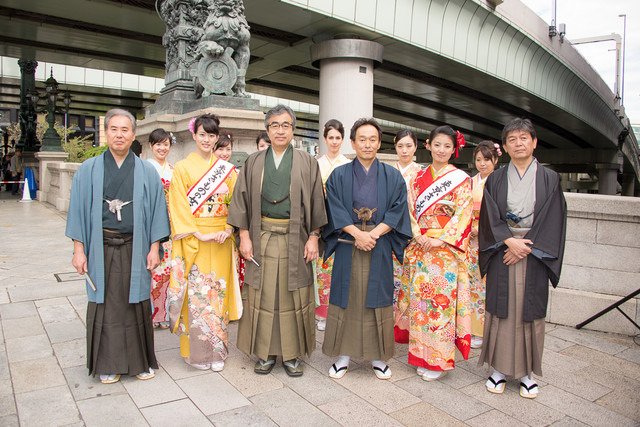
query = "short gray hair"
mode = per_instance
[
  {"x": 277, "y": 110},
  {"x": 119, "y": 112}
]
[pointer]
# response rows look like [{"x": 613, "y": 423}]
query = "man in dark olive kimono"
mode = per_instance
[
  {"x": 368, "y": 220},
  {"x": 117, "y": 216},
  {"x": 521, "y": 242},
  {"x": 278, "y": 207}
]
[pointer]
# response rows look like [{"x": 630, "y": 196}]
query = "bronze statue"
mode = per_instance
[
  {"x": 207, "y": 45},
  {"x": 224, "y": 50}
]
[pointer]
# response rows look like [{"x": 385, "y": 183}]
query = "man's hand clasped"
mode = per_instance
[{"x": 516, "y": 250}]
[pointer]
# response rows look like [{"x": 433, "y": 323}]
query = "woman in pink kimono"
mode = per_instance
[
  {"x": 437, "y": 295},
  {"x": 333, "y": 133},
  {"x": 160, "y": 143},
  {"x": 406, "y": 144},
  {"x": 485, "y": 157}
]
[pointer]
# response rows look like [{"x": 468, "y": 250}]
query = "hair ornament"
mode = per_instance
[
  {"x": 460, "y": 142},
  {"x": 497, "y": 147},
  {"x": 426, "y": 142},
  {"x": 172, "y": 138},
  {"x": 191, "y": 123}
]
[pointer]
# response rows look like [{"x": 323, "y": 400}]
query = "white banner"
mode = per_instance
[
  {"x": 438, "y": 189},
  {"x": 208, "y": 184}
]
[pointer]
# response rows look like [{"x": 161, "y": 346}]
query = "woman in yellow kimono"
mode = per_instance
[
  {"x": 406, "y": 144},
  {"x": 204, "y": 293},
  {"x": 436, "y": 284},
  {"x": 485, "y": 157},
  {"x": 333, "y": 136}
]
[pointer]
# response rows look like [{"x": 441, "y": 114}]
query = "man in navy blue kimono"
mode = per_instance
[{"x": 368, "y": 221}]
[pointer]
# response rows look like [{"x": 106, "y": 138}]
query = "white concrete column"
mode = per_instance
[
  {"x": 346, "y": 82},
  {"x": 607, "y": 178}
]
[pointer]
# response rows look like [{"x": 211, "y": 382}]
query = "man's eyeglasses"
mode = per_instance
[{"x": 284, "y": 125}]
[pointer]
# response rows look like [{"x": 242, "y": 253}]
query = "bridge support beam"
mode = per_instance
[
  {"x": 346, "y": 82},
  {"x": 607, "y": 178}
]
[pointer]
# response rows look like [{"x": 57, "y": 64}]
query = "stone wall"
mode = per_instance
[
  {"x": 55, "y": 186},
  {"x": 601, "y": 263}
]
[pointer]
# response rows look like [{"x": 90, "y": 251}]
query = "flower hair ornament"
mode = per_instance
[
  {"x": 497, "y": 147},
  {"x": 191, "y": 123},
  {"x": 426, "y": 143},
  {"x": 172, "y": 138},
  {"x": 460, "y": 142}
]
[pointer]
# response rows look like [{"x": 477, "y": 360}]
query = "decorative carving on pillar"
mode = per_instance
[
  {"x": 184, "y": 20},
  {"x": 207, "y": 44}
]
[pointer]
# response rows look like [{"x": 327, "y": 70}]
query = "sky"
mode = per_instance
[{"x": 588, "y": 18}]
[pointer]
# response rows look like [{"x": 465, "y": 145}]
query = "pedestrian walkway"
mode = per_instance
[{"x": 589, "y": 378}]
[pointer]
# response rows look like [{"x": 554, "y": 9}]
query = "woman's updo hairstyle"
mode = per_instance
[
  {"x": 489, "y": 150},
  {"x": 405, "y": 132},
  {"x": 209, "y": 122}
]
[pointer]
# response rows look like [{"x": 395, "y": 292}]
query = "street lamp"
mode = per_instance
[{"x": 51, "y": 140}]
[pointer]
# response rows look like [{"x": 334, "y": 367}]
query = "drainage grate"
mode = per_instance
[{"x": 68, "y": 277}]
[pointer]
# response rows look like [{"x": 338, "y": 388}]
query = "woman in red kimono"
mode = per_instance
[{"x": 435, "y": 292}]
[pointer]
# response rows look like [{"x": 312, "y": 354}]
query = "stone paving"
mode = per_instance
[{"x": 589, "y": 378}]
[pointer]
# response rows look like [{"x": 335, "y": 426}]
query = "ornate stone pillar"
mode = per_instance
[
  {"x": 184, "y": 20},
  {"x": 346, "y": 82},
  {"x": 28, "y": 141}
]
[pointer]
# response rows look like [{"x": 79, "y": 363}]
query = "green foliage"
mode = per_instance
[
  {"x": 79, "y": 148},
  {"x": 95, "y": 151}
]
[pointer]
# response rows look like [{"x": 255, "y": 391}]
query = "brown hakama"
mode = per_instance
[
  {"x": 512, "y": 346},
  {"x": 276, "y": 321},
  {"x": 119, "y": 334},
  {"x": 358, "y": 331}
]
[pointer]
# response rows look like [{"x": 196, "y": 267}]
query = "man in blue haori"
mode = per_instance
[
  {"x": 117, "y": 216},
  {"x": 368, "y": 220}
]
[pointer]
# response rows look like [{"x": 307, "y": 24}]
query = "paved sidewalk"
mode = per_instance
[{"x": 590, "y": 378}]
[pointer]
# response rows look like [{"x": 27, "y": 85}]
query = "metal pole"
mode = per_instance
[{"x": 624, "y": 49}]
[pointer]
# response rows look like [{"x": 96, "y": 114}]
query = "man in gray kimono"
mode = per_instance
[
  {"x": 521, "y": 244},
  {"x": 117, "y": 216},
  {"x": 278, "y": 207}
]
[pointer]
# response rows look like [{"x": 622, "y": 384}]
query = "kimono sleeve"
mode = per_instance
[
  {"x": 240, "y": 207},
  {"x": 160, "y": 227},
  {"x": 182, "y": 220},
  {"x": 456, "y": 232},
  {"x": 77, "y": 214},
  {"x": 412, "y": 195}
]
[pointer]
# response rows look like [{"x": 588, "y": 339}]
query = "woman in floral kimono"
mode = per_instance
[
  {"x": 204, "y": 293},
  {"x": 160, "y": 143},
  {"x": 435, "y": 282},
  {"x": 406, "y": 144},
  {"x": 333, "y": 135},
  {"x": 485, "y": 157}
]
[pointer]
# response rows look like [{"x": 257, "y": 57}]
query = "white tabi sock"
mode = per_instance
[{"x": 342, "y": 361}]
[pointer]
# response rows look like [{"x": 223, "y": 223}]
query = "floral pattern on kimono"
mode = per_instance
[
  {"x": 435, "y": 293},
  {"x": 207, "y": 312},
  {"x": 160, "y": 277},
  {"x": 324, "y": 269},
  {"x": 478, "y": 285},
  {"x": 401, "y": 327}
]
